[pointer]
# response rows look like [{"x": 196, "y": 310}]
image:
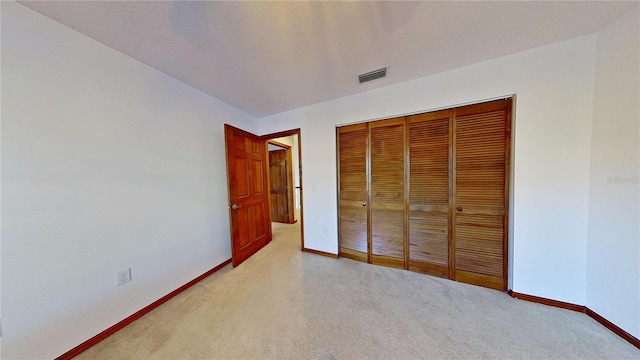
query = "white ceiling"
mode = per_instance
[{"x": 268, "y": 57}]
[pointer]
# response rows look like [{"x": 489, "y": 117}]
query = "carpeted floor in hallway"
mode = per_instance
[{"x": 286, "y": 304}]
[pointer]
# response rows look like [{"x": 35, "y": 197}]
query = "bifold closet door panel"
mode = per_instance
[
  {"x": 429, "y": 178},
  {"x": 481, "y": 158},
  {"x": 352, "y": 198},
  {"x": 387, "y": 139}
]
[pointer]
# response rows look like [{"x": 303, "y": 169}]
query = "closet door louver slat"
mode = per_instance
[
  {"x": 429, "y": 193},
  {"x": 352, "y": 158},
  {"x": 387, "y": 192},
  {"x": 481, "y": 159}
]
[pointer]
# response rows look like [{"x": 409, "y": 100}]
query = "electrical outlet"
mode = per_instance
[{"x": 123, "y": 277}]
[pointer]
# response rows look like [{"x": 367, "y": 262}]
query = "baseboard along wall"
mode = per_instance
[
  {"x": 318, "y": 252},
  {"x": 540, "y": 300},
  {"x": 579, "y": 308},
  {"x": 138, "y": 314}
]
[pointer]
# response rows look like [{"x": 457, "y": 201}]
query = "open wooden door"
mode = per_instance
[
  {"x": 281, "y": 186},
  {"x": 248, "y": 193}
]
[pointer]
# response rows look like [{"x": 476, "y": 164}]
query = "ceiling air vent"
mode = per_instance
[{"x": 372, "y": 75}]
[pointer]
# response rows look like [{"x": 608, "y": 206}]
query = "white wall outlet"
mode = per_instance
[{"x": 123, "y": 277}]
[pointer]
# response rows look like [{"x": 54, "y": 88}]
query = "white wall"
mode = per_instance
[
  {"x": 554, "y": 87},
  {"x": 106, "y": 164},
  {"x": 613, "y": 256},
  {"x": 109, "y": 164}
]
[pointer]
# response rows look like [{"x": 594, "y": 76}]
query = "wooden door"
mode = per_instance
[
  {"x": 429, "y": 192},
  {"x": 388, "y": 192},
  {"x": 429, "y": 183},
  {"x": 353, "y": 191},
  {"x": 248, "y": 196},
  {"x": 481, "y": 156},
  {"x": 279, "y": 186}
]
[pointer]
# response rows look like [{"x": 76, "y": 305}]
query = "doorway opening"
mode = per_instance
[
  {"x": 285, "y": 183},
  {"x": 283, "y": 204}
]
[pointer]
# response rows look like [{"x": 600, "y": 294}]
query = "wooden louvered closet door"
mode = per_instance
[
  {"x": 429, "y": 192},
  {"x": 429, "y": 183},
  {"x": 353, "y": 191},
  {"x": 481, "y": 149},
  {"x": 387, "y": 192}
]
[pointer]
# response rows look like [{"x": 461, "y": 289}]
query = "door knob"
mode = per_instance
[
  {"x": 364, "y": 204},
  {"x": 459, "y": 209},
  {"x": 235, "y": 206}
]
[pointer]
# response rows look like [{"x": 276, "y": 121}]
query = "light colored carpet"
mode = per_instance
[{"x": 285, "y": 304}]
